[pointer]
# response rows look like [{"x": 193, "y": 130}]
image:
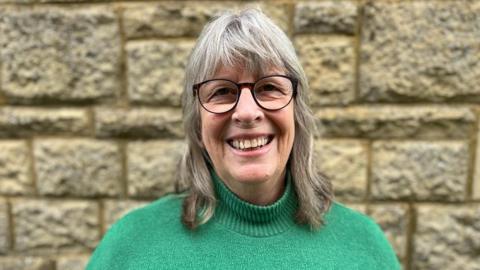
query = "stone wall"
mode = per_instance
[{"x": 90, "y": 123}]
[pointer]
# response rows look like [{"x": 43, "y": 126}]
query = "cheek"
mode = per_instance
[
  {"x": 211, "y": 130},
  {"x": 287, "y": 124}
]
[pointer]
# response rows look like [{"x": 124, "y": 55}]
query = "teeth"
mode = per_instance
[{"x": 251, "y": 143}]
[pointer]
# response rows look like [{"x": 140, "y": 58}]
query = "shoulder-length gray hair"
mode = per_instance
[{"x": 250, "y": 38}]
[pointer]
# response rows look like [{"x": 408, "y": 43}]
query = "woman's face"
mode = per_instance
[{"x": 248, "y": 122}]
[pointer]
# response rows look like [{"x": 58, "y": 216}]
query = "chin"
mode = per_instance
[{"x": 252, "y": 176}]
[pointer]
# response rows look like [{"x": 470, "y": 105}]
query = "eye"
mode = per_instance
[
  {"x": 221, "y": 92},
  {"x": 269, "y": 87}
]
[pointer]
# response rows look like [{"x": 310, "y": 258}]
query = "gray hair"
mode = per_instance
[{"x": 250, "y": 38}]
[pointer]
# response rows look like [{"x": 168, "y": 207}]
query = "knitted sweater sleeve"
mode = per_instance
[
  {"x": 111, "y": 253},
  {"x": 382, "y": 252}
]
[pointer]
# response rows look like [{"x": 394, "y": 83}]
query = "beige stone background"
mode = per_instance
[{"x": 90, "y": 124}]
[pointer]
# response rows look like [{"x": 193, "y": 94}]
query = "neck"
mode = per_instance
[
  {"x": 259, "y": 193},
  {"x": 253, "y": 219}
]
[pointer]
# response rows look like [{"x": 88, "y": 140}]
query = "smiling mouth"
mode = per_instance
[{"x": 250, "y": 144}]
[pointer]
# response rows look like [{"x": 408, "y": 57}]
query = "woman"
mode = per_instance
[{"x": 253, "y": 198}]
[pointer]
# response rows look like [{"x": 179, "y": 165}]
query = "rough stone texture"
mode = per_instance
[
  {"x": 476, "y": 188},
  {"x": 152, "y": 167},
  {"x": 421, "y": 50},
  {"x": 72, "y": 263},
  {"x": 419, "y": 170},
  {"x": 64, "y": 59},
  {"x": 115, "y": 209},
  {"x": 17, "y": 1},
  {"x": 476, "y": 183},
  {"x": 167, "y": 19},
  {"x": 329, "y": 64},
  {"x": 476, "y": 177},
  {"x": 24, "y": 121},
  {"x": 394, "y": 220},
  {"x": 345, "y": 163},
  {"x": 47, "y": 227},
  {"x": 325, "y": 17},
  {"x": 447, "y": 237},
  {"x": 26, "y": 263},
  {"x": 156, "y": 71},
  {"x": 59, "y": 54},
  {"x": 79, "y": 167},
  {"x": 68, "y": 1},
  {"x": 138, "y": 122},
  {"x": 15, "y": 168},
  {"x": 4, "y": 227},
  {"x": 378, "y": 121}
]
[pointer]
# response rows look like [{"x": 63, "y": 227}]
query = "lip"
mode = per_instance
[
  {"x": 248, "y": 136},
  {"x": 251, "y": 153}
]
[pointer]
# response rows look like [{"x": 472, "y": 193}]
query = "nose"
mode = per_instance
[{"x": 247, "y": 112}]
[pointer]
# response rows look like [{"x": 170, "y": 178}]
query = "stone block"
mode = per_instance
[
  {"x": 156, "y": 71},
  {"x": 55, "y": 227},
  {"x": 59, "y": 54},
  {"x": 330, "y": 67},
  {"x": 138, "y": 122},
  {"x": 345, "y": 163},
  {"x": 394, "y": 219},
  {"x": 16, "y": 1},
  {"x": 78, "y": 167},
  {"x": 447, "y": 237},
  {"x": 15, "y": 175},
  {"x": 4, "y": 227},
  {"x": 115, "y": 209},
  {"x": 382, "y": 121},
  {"x": 152, "y": 167},
  {"x": 26, "y": 263},
  {"x": 68, "y": 1},
  {"x": 26, "y": 122},
  {"x": 186, "y": 18},
  {"x": 476, "y": 176},
  {"x": 420, "y": 50},
  {"x": 428, "y": 171},
  {"x": 72, "y": 263},
  {"x": 326, "y": 17},
  {"x": 476, "y": 183}
]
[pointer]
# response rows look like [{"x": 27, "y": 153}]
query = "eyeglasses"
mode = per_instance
[{"x": 271, "y": 93}]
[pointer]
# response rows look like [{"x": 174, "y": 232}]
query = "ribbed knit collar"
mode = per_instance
[{"x": 255, "y": 220}]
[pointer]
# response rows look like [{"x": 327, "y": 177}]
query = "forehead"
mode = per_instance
[{"x": 237, "y": 71}]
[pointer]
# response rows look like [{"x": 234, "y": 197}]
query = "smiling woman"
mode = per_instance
[
  {"x": 255, "y": 174},
  {"x": 249, "y": 196}
]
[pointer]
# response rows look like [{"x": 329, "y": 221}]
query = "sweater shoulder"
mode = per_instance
[
  {"x": 340, "y": 213},
  {"x": 362, "y": 233},
  {"x": 161, "y": 210},
  {"x": 138, "y": 230},
  {"x": 351, "y": 221}
]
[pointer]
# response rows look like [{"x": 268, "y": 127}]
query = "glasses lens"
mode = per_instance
[
  {"x": 273, "y": 92},
  {"x": 218, "y": 96}
]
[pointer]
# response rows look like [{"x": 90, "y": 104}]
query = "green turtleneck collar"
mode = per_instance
[{"x": 255, "y": 220}]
